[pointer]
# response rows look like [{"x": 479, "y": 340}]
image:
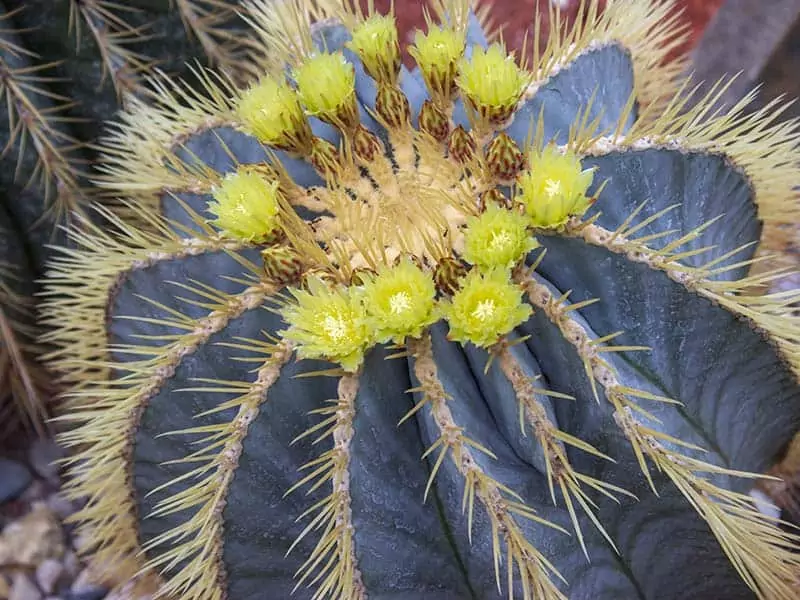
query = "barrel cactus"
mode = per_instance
[{"x": 487, "y": 328}]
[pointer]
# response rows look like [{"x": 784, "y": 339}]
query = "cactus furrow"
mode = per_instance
[
  {"x": 561, "y": 474},
  {"x": 77, "y": 298},
  {"x": 649, "y": 32},
  {"x": 97, "y": 466},
  {"x": 501, "y": 504},
  {"x": 758, "y": 143},
  {"x": 732, "y": 516}
]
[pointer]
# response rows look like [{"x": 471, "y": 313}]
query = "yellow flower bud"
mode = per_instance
[
  {"x": 329, "y": 323},
  {"x": 486, "y": 307},
  {"x": 326, "y": 84},
  {"x": 399, "y": 302},
  {"x": 497, "y": 238},
  {"x": 246, "y": 206},
  {"x": 437, "y": 53},
  {"x": 271, "y": 111},
  {"x": 554, "y": 188},
  {"x": 492, "y": 82},
  {"x": 376, "y": 44}
]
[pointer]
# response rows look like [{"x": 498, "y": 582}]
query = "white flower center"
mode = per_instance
[
  {"x": 500, "y": 241},
  {"x": 552, "y": 187},
  {"x": 335, "y": 327},
  {"x": 399, "y": 303},
  {"x": 484, "y": 310}
]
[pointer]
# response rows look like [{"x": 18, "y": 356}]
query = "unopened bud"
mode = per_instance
[
  {"x": 504, "y": 159},
  {"x": 433, "y": 121},
  {"x": 282, "y": 265},
  {"x": 325, "y": 158},
  {"x": 366, "y": 145},
  {"x": 493, "y": 197},
  {"x": 391, "y": 105},
  {"x": 448, "y": 274},
  {"x": 461, "y": 145}
]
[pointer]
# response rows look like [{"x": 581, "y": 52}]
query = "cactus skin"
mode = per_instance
[{"x": 195, "y": 441}]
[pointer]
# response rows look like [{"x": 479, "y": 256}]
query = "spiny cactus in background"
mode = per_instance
[
  {"x": 24, "y": 386},
  {"x": 475, "y": 330},
  {"x": 65, "y": 67}
]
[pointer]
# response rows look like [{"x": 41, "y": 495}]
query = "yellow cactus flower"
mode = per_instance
[
  {"x": 246, "y": 206},
  {"x": 492, "y": 82},
  {"x": 326, "y": 84},
  {"x": 437, "y": 54},
  {"x": 497, "y": 238},
  {"x": 487, "y": 306},
  {"x": 328, "y": 323},
  {"x": 375, "y": 41},
  {"x": 554, "y": 187},
  {"x": 400, "y": 302},
  {"x": 271, "y": 111}
]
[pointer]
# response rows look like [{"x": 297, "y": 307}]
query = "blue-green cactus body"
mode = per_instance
[{"x": 734, "y": 393}]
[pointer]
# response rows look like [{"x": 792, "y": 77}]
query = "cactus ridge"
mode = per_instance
[{"x": 159, "y": 306}]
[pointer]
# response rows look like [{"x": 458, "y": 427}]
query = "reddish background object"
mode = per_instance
[{"x": 516, "y": 16}]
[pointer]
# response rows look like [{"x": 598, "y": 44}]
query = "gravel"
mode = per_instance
[{"x": 38, "y": 552}]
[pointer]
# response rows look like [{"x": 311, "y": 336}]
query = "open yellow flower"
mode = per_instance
[
  {"x": 554, "y": 187},
  {"x": 498, "y": 237},
  {"x": 437, "y": 53},
  {"x": 376, "y": 44},
  {"x": 271, "y": 111},
  {"x": 486, "y": 307},
  {"x": 400, "y": 302},
  {"x": 328, "y": 323},
  {"x": 326, "y": 84},
  {"x": 492, "y": 82},
  {"x": 246, "y": 206}
]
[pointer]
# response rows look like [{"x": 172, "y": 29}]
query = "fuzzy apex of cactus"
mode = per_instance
[{"x": 576, "y": 411}]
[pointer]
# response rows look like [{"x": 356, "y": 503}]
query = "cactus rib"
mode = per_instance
[
  {"x": 767, "y": 311},
  {"x": 218, "y": 456},
  {"x": 501, "y": 504}
]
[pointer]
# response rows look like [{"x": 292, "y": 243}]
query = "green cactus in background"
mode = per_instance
[
  {"x": 66, "y": 66},
  {"x": 475, "y": 330}
]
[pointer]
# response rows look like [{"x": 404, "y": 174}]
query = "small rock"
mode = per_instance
[
  {"x": 60, "y": 505},
  {"x": 94, "y": 592},
  {"x": 34, "y": 538},
  {"x": 85, "y": 587},
  {"x": 24, "y": 589},
  {"x": 36, "y": 491},
  {"x": 48, "y": 574},
  {"x": 43, "y": 456},
  {"x": 71, "y": 564},
  {"x": 14, "y": 478}
]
